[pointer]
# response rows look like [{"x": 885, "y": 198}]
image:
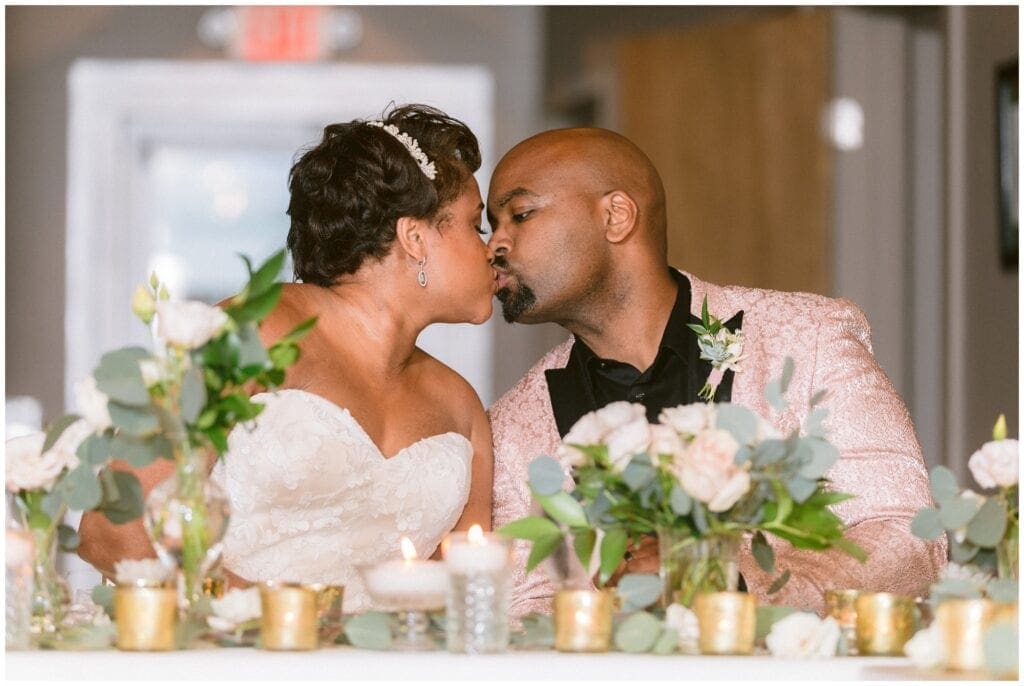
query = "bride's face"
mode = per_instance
[{"x": 460, "y": 261}]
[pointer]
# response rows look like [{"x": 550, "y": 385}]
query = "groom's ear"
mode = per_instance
[
  {"x": 620, "y": 216},
  {"x": 409, "y": 234}
]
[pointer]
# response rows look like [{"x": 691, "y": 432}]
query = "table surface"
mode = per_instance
[{"x": 345, "y": 662}]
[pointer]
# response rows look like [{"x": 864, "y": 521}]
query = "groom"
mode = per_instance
[{"x": 580, "y": 240}]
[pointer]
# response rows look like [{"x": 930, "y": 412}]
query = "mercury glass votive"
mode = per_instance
[
  {"x": 478, "y": 593},
  {"x": 963, "y": 623},
  {"x": 289, "y": 620},
  {"x": 885, "y": 622},
  {"x": 583, "y": 621},
  {"x": 841, "y": 605},
  {"x": 146, "y": 613},
  {"x": 727, "y": 621},
  {"x": 329, "y": 610}
]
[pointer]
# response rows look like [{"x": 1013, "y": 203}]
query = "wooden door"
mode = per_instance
[{"x": 730, "y": 114}]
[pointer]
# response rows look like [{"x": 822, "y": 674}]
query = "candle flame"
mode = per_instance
[
  {"x": 408, "y": 549},
  {"x": 476, "y": 535}
]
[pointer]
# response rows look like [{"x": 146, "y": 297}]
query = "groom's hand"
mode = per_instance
[{"x": 640, "y": 559}]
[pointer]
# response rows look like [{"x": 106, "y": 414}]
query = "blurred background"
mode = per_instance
[{"x": 859, "y": 152}]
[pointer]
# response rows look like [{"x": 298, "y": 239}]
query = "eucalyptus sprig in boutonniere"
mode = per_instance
[{"x": 719, "y": 346}]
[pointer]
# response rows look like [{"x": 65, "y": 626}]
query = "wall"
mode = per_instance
[
  {"x": 42, "y": 43},
  {"x": 982, "y": 318}
]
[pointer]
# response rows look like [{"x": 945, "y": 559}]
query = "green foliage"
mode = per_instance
[
  {"x": 613, "y": 548},
  {"x": 638, "y": 633},
  {"x": 369, "y": 630},
  {"x": 546, "y": 476},
  {"x": 638, "y": 591},
  {"x": 767, "y": 615}
]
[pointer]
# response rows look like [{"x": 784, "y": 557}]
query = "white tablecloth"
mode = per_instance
[{"x": 344, "y": 663}]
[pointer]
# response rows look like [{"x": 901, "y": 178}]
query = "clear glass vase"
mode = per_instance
[
  {"x": 1007, "y": 560},
  {"x": 690, "y": 565},
  {"x": 186, "y": 517},
  {"x": 50, "y": 594}
]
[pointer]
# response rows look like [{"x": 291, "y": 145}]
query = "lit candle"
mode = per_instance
[
  {"x": 409, "y": 583},
  {"x": 289, "y": 616},
  {"x": 478, "y": 600},
  {"x": 583, "y": 621},
  {"x": 885, "y": 622}
]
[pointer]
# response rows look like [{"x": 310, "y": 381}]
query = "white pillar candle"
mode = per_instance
[
  {"x": 477, "y": 612},
  {"x": 476, "y": 553},
  {"x": 409, "y": 584}
]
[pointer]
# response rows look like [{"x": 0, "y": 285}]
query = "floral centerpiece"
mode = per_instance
[
  {"x": 699, "y": 480},
  {"x": 177, "y": 401}
]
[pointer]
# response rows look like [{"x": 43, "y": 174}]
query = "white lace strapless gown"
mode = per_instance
[{"x": 312, "y": 497}]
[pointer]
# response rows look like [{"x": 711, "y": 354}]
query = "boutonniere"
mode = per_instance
[{"x": 719, "y": 346}]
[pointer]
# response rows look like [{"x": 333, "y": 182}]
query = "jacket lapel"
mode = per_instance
[{"x": 569, "y": 397}]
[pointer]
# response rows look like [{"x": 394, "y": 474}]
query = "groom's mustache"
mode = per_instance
[{"x": 499, "y": 262}]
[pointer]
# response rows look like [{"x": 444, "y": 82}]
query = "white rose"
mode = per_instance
[
  {"x": 734, "y": 489},
  {"x": 188, "y": 324},
  {"x": 688, "y": 420},
  {"x": 803, "y": 635},
  {"x": 614, "y": 415},
  {"x": 707, "y": 468},
  {"x": 588, "y": 430},
  {"x": 628, "y": 440},
  {"x": 996, "y": 464},
  {"x": 926, "y": 649},
  {"x": 684, "y": 621},
  {"x": 237, "y": 606},
  {"x": 92, "y": 402},
  {"x": 153, "y": 371},
  {"x": 665, "y": 441},
  {"x": 149, "y": 570},
  {"x": 28, "y": 468}
]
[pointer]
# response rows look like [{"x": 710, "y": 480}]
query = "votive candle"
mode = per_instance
[
  {"x": 885, "y": 622},
  {"x": 841, "y": 605},
  {"x": 478, "y": 594},
  {"x": 146, "y": 613},
  {"x": 289, "y": 620},
  {"x": 727, "y": 621},
  {"x": 963, "y": 623},
  {"x": 583, "y": 621}
]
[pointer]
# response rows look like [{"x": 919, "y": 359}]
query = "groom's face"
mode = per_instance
[{"x": 543, "y": 220}]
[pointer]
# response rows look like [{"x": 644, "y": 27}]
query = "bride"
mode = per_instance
[{"x": 370, "y": 439}]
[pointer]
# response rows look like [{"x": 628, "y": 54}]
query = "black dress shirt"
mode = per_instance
[{"x": 677, "y": 374}]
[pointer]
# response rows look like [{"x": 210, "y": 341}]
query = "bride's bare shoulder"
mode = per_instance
[{"x": 447, "y": 385}]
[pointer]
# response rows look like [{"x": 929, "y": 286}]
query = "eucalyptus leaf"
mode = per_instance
[
  {"x": 700, "y": 518},
  {"x": 773, "y": 394},
  {"x": 67, "y": 538},
  {"x": 818, "y": 397},
  {"x": 129, "y": 504},
  {"x": 1002, "y": 590},
  {"x": 788, "y": 367},
  {"x": 954, "y": 588},
  {"x": 638, "y": 633},
  {"x": 738, "y": 421},
  {"x": 542, "y": 547},
  {"x": 957, "y": 512},
  {"x": 987, "y": 527},
  {"x": 613, "y": 548},
  {"x": 193, "y": 395},
  {"x": 1001, "y": 650},
  {"x": 770, "y": 451},
  {"x": 51, "y": 503},
  {"x": 814, "y": 424},
  {"x": 563, "y": 508},
  {"x": 369, "y": 630},
  {"x": 823, "y": 456},
  {"x": 81, "y": 489},
  {"x": 763, "y": 552},
  {"x": 538, "y": 632},
  {"x": 120, "y": 377},
  {"x": 667, "y": 643},
  {"x": 250, "y": 348},
  {"x": 133, "y": 420},
  {"x": 545, "y": 476},
  {"x": 638, "y": 591},
  {"x": 103, "y": 596},
  {"x": 139, "y": 452},
  {"x": 779, "y": 583},
  {"x": 680, "y": 501},
  {"x": 639, "y": 473},
  {"x": 927, "y": 524},
  {"x": 800, "y": 488},
  {"x": 943, "y": 483},
  {"x": 57, "y": 428},
  {"x": 583, "y": 543},
  {"x": 961, "y": 552},
  {"x": 530, "y": 528}
]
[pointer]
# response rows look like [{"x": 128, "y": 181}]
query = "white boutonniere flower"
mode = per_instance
[{"x": 719, "y": 346}]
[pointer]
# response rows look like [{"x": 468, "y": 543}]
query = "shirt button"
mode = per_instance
[{"x": 639, "y": 396}]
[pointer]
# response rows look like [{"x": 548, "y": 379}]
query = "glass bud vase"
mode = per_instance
[
  {"x": 50, "y": 594},
  {"x": 186, "y": 516},
  {"x": 1007, "y": 561},
  {"x": 689, "y": 565}
]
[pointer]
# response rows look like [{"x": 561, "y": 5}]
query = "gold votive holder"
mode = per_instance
[
  {"x": 583, "y": 621},
  {"x": 727, "y": 621},
  {"x": 885, "y": 622},
  {"x": 146, "y": 613},
  {"x": 214, "y": 586},
  {"x": 289, "y": 620},
  {"x": 329, "y": 602},
  {"x": 841, "y": 605},
  {"x": 962, "y": 623}
]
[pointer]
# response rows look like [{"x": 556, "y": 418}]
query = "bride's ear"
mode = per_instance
[{"x": 409, "y": 234}]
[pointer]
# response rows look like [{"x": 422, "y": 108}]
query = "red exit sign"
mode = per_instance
[{"x": 281, "y": 33}]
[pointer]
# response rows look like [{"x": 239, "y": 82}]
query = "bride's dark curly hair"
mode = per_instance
[{"x": 348, "y": 192}]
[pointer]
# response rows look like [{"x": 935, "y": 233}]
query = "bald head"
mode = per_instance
[{"x": 599, "y": 161}]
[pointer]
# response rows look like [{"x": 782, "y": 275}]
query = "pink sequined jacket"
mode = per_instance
[{"x": 881, "y": 461}]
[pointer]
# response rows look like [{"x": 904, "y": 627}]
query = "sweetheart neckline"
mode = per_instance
[{"x": 344, "y": 411}]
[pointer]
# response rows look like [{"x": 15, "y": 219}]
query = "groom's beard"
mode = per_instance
[{"x": 517, "y": 299}]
